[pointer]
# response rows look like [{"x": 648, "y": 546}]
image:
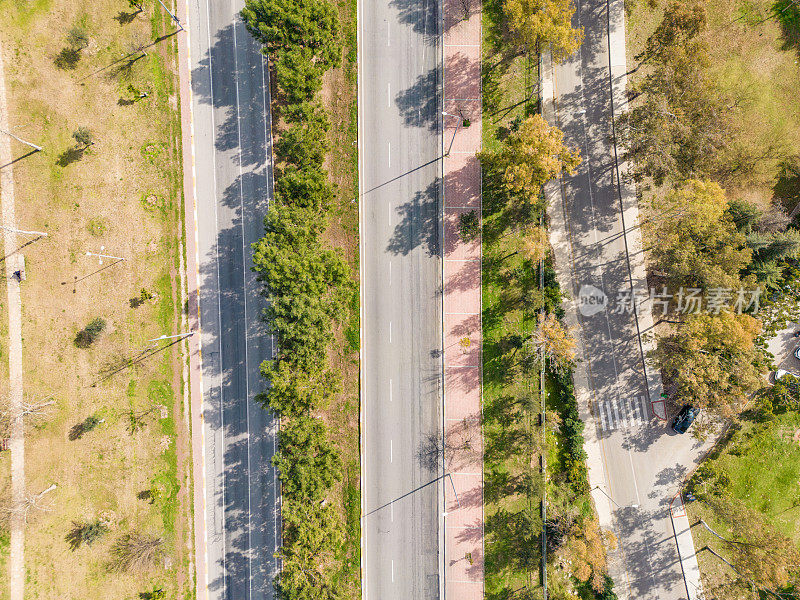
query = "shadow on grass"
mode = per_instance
[
  {"x": 67, "y": 59},
  {"x": 70, "y": 156}
]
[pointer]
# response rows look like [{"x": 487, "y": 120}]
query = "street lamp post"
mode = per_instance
[
  {"x": 102, "y": 256},
  {"x": 453, "y": 139},
  {"x": 15, "y": 230},
  {"x": 169, "y": 12},
  {"x": 171, "y": 337},
  {"x": 19, "y": 139},
  {"x": 597, "y": 487}
]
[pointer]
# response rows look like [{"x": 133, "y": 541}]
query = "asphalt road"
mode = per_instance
[
  {"x": 643, "y": 460},
  {"x": 399, "y": 117},
  {"x": 233, "y": 178}
]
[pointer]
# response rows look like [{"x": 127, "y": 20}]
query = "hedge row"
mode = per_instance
[{"x": 308, "y": 285}]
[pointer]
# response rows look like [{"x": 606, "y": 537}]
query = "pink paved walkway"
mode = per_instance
[{"x": 463, "y": 554}]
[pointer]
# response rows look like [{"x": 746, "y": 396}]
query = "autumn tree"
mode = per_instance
[
  {"x": 534, "y": 243},
  {"x": 530, "y": 156},
  {"x": 539, "y": 24},
  {"x": 554, "y": 342},
  {"x": 692, "y": 237},
  {"x": 712, "y": 360}
]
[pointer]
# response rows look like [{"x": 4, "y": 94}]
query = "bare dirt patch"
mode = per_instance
[{"x": 120, "y": 196}]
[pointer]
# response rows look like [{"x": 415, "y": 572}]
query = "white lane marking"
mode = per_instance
[
  {"x": 392, "y": 570},
  {"x": 391, "y": 451},
  {"x": 643, "y": 408},
  {"x": 389, "y": 212},
  {"x": 390, "y": 332},
  {"x": 391, "y": 511},
  {"x": 389, "y": 94},
  {"x": 624, "y": 412},
  {"x": 390, "y": 390}
]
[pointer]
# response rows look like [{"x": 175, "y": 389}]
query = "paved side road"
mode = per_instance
[
  {"x": 238, "y": 522},
  {"x": 636, "y": 463}
]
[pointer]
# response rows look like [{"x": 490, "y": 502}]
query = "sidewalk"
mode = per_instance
[
  {"x": 463, "y": 521},
  {"x": 17, "y": 444},
  {"x": 193, "y": 312},
  {"x": 686, "y": 551}
]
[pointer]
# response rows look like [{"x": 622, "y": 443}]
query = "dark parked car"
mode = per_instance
[{"x": 685, "y": 418}]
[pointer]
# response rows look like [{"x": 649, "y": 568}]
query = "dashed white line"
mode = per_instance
[{"x": 392, "y": 570}]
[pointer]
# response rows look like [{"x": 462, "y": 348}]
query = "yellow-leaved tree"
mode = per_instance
[
  {"x": 530, "y": 156},
  {"x": 539, "y": 24}
]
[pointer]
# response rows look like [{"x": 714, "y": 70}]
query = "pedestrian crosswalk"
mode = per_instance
[{"x": 622, "y": 412}]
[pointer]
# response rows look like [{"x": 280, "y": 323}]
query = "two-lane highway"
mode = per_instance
[
  {"x": 232, "y": 186},
  {"x": 401, "y": 270}
]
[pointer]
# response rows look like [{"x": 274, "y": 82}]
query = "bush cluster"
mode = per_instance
[{"x": 309, "y": 287}]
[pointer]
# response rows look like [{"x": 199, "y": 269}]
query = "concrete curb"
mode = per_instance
[{"x": 192, "y": 288}]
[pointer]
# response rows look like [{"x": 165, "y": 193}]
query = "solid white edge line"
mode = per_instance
[{"x": 219, "y": 296}]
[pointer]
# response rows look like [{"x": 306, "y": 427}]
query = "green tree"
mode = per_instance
[
  {"x": 283, "y": 25},
  {"x": 304, "y": 144},
  {"x": 307, "y": 461},
  {"x": 293, "y": 392},
  {"x": 712, "y": 360},
  {"x": 298, "y": 77},
  {"x": 539, "y": 24},
  {"x": 692, "y": 237},
  {"x": 304, "y": 187},
  {"x": 83, "y": 137},
  {"x": 77, "y": 38},
  {"x": 531, "y": 156}
]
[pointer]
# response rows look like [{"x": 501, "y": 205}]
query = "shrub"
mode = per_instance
[
  {"x": 85, "y": 533},
  {"x": 469, "y": 225}
]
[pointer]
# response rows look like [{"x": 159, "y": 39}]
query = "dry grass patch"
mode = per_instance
[{"x": 117, "y": 192}]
